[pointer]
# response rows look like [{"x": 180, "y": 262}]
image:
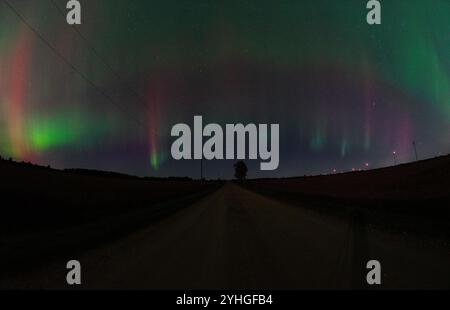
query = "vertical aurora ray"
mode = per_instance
[
  {"x": 318, "y": 138},
  {"x": 153, "y": 140},
  {"x": 369, "y": 103},
  {"x": 16, "y": 94},
  {"x": 3, "y": 135},
  {"x": 155, "y": 99},
  {"x": 344, "y": 147}
]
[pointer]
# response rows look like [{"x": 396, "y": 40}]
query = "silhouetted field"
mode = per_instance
[
  {"x": 411, "y": 197},
  {"x": 36, "y": 199},
  {"x": 46, "y": 211}
]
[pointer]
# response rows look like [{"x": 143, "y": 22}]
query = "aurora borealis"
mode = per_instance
[{"x": 346, "y": 94}]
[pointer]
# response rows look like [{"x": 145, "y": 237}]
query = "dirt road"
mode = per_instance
[{"x": 235, "y": 239}]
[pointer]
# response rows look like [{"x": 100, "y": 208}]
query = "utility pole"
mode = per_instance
[{"x": 415, "y": 150}]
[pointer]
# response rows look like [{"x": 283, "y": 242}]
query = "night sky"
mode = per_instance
[{"x": 105, "y": 95}]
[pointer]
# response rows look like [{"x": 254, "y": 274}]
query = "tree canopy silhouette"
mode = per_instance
[{"x": 240, "y": 170}]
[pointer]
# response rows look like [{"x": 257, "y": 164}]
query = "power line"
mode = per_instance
[
  {"x": 69, "y": 64},
  {"x": 94, "y": 51}
]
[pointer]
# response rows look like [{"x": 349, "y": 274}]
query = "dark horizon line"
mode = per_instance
[{"x": 114, "y": 174}]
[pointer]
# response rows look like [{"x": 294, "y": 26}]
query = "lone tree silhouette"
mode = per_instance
[{"x": 240, "y": 170}]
